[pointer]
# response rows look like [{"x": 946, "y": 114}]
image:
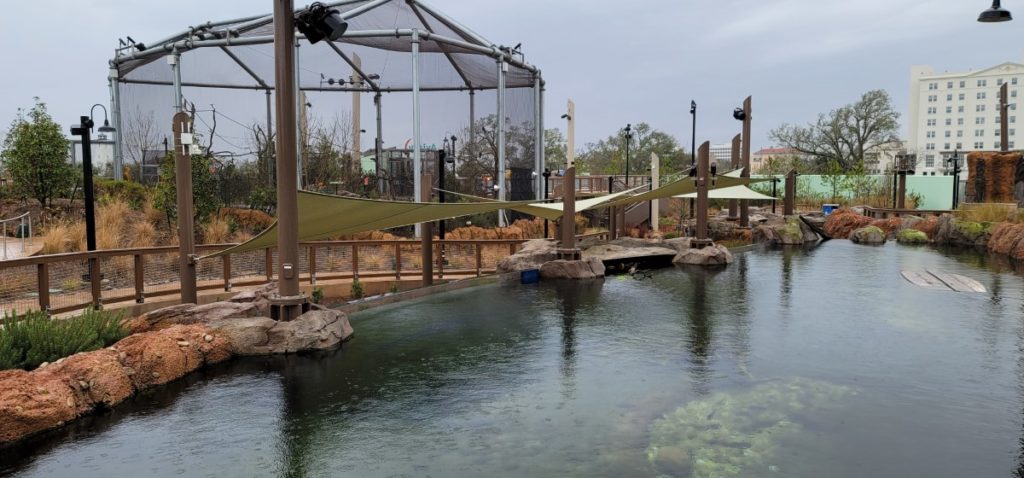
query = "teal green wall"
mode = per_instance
[{"x": 936, "y": 191}]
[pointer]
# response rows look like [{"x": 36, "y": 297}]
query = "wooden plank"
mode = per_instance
[
  {"x": 958, "y": 282},
  {"x": 924, "y": 280}
]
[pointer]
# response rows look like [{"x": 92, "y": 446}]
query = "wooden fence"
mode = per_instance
[{"x": 63, "y": 282}]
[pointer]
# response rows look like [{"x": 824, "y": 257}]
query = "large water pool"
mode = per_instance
[{"x": 798, "y": 363}]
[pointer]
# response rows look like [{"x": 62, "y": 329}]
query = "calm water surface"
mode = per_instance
[{"x": 807, "y": 363}]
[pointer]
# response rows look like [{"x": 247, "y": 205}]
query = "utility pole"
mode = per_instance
[
  {"x": 357, "y": 84},
  {"x": 744, "y": 203},
  {"x": 289, "y": 302},
  {"x": 693, "y": 144},
  {"x": 1004, "y": 122},
  {"x": 182, "y": 127}
]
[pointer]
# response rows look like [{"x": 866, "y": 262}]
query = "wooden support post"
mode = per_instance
[
  {"x": 227, "y": 272},
  {"x": 43, "y": 272},
  {"x": 312, "y": 264},
  {"x": 440, "y": 260},
  {"x": 355, "y": 261},
  {"x": 479, "y": 260},
  {"x": 140, "y": 279},
  {"x": 269, "y": 258},
  {"x": 94, "y": 282},
  {"x": 747, "y": 141},
  {"x": 789, "y": 202},
  {"x": 734, "y": 205},
  {"x": 901, "y": 193},
  {"x": 701, "y": 240},
  {"x": 398, "y": 261},
  {"x": 181, "y": 125},
  {"x": 427, "y": 238}
]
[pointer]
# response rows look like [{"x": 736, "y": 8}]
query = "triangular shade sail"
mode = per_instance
[
  {"x": 732, "y": 192},
  {"x": 323, "y": 215}
]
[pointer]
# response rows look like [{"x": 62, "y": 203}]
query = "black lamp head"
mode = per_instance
[
  {"x": 318, "y": 22},
  {"x": 693, "y": 107},
  {"x": 106, "y": 128},
  {"x": 739, "y": 114},
  {"x": 995, "y": 14}
]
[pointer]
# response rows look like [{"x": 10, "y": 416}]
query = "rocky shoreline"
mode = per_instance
[{"x": 165, "y": 345}]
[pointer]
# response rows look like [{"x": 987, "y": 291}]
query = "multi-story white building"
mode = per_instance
[{"x": 959, "y": 111}]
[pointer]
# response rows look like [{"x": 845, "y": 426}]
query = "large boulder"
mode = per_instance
[
  {"x": 318, "y": 329},
  {"x": 186, "y": 314},
  {"x": 911, "y": 236},
  {"x": 791, "y": 232},
  {"x": 958, "y": 232},
  {"x": 868, "y": 235},
  {"x": 531, "y": 255},
  {"x": 1006, "y": 238},
  {"x": 259, "y": 297},
  {"x": 589, "y": 268},
  {"x": 159, "y": 357},
  {"x": 842, "y": 222},
  {"x": 712, "y": 255},
  {"x": 616, "y": 252}
]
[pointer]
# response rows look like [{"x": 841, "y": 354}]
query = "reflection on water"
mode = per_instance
[{"x": 743, "y": 371}]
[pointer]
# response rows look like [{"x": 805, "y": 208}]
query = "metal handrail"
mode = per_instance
[{"x": 25, "y": 217}]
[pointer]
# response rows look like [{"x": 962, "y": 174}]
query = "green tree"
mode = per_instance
[
  {"x": 555, "y": 149},
  {"x": 35, "y": 153},
  {"x": 205, "y": 199},
  {"x": 835, "y": 177},
  {"x": 845, "y": 134},
  {"x": 608, "y": 156}
]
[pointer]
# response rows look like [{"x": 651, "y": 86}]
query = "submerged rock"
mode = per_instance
[
  {"x": 730, "y": 435},
  {"x": 318, "y": 329},
  {"x": 911, "y": 236}
]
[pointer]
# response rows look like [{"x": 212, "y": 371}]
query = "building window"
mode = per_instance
[
  {"x": 997, "y": 133},
  {"x": 949, "y": 133},
  {"x": 949, "y": 109},
  {"x": 982, "y": 83},
  {"x": 933, "y": 86},
  {"x": 929, "y": 161},
  {"x": 979, "y": 145},
  {"x": 979, "y": 120},
  {"x": 995, "y": 145},
  {"x": 949, "y": 85},
  {"x": 931, "y": 110},
  {"x": 1011, "y": 144},
  {"x": 963, "y": 83},
  {"x": 999, "y": 119},
  {"x": 999, "y": 82},
  {"x": 981, "y": 95},
  {"x": 979, "y": 133},
  {"x": 961, "y": 96},
  {"x": 949, "y": 97},
  {"x": 932, "y": 98},
  {"x": 1013, "y": 119},
  {"x": 931, "y": 122},
  {"x": 960, "y": 133},
  {"x": 946, "y": 146},
  {"x": 1013, "y": 94},
  {"x": 930, "y": 134},
  {"x": 930, "y": 146},
  {"x": 960, "y": 121},
  {"x": 979, "y": 108},
  {"x": 1012, "y": 132},
  {"x": 960, "y": 109},
  {"x": 949, "y": 121},
  {"x": 959, "y": 146}
]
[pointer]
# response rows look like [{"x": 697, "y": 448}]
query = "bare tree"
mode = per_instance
[
  {"x": 141, "y": 134},
  {"x": 845, "y": 134}
]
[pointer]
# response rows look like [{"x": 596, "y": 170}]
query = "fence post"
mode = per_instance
[
  {"x": 398, "y": 261},
  {"x": 312, "y": 264},
  {"x": 94, "y": 282},
  {"x": 227, "y": 272},
  {"x": 140, "y": 282},
  {"x": 43, "y": 271},
  {"x": 355, "y": 261},
  {"x": 479, "y": 259},
  {"x": 270, "y": 263}
]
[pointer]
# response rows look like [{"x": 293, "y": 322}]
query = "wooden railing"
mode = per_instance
[
  {"x": 597, "y": 184},
  {"x": 885, "y": 213},
  {"x": 61, "y": 282}
]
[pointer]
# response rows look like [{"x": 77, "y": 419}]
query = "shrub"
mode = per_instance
[
  {"x": 393, "y": 288},
  {"x": 130, "y": 192},
  {"x": 55, "y": 240},
  {"x": 143, "y": 234},
  {"x": 911, "y": 236},
  {"x": 985, "y": 213},
  {"x": 216, "y": 231},
  {"x": 110, "y": 224},
  {"x": 29, "y": 340},
  {"x": 248, "y": 220},
  {"x": 317, "y": 296},
  {"x": 357, "y": 289}
]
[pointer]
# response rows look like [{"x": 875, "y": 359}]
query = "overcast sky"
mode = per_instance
[{"x": 621, "y": 61}]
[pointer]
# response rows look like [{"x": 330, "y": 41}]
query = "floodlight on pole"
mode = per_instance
[
  {"x": 318, "y": 22},
  {"x": 995, "y": 14}
]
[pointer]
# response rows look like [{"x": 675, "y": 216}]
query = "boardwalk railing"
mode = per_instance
[
  {"x": 885, "y": 213},
  {"x": 23, "y": 229},
  {"x": 61, "y": 282},
  {"x": 596, "y": 185}
]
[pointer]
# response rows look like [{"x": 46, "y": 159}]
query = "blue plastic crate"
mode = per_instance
[{"x": 529, "y": 276}]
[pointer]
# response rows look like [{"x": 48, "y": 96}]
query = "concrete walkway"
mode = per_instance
[{"x": 17, "y": 248}]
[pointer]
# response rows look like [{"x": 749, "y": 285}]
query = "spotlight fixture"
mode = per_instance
[
  {"x": 318, "y": 22},
  {"x": 739, "y": 114},
  {"x": 995, "y": 14}
]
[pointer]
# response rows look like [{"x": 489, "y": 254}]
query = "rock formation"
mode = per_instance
[{"x": 868, "y": 235}]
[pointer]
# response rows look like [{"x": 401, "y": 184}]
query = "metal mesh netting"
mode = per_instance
[{"x": 229, "y": 83}]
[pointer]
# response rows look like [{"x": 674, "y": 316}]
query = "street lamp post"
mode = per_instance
[
  {"x": 693, "y": 147},
  {"x": 547, "y": 178},
  {"x": 955, "y": 159},
  {"x": 629, "y": 136},
  {"x": 84, "y": 129}
]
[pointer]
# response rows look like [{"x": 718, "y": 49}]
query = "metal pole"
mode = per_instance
[
  {"x": 745, "y": 203},
  {"x": 1004, "y": 122},
  {"x": 115, "y": 117},
  {"x": 186, "y": 229},
  {"x": 693, "y": 146},
  {"x": 175, "y": 60},
  {"x": 628, "y": 137},
  {"x": 701, "y": 233},
  {"x": 569, "y": 211},
  {"x": 299, "y": 108},
  {"x": 655, "y": 184},
  {"x": 357, "y": 110},
  {"x": 775, "y": 182},
  {"x": 538, "y": 148},
  {"x": 270, "y": 162},
  {"x": 472, "y": 121},
  {"x": 547, "y": 178},
  {"x": 440, "y": 193},
  {"x": 378, "y": 145},
  {"x": 502, "y": 194},
  {"x": 540, "y": 127},
  {"x": 289, "y": 301},
  {"x": 417, "y": 167}
]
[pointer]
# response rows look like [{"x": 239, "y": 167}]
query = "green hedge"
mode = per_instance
[{"x": 30, "y": 339}]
